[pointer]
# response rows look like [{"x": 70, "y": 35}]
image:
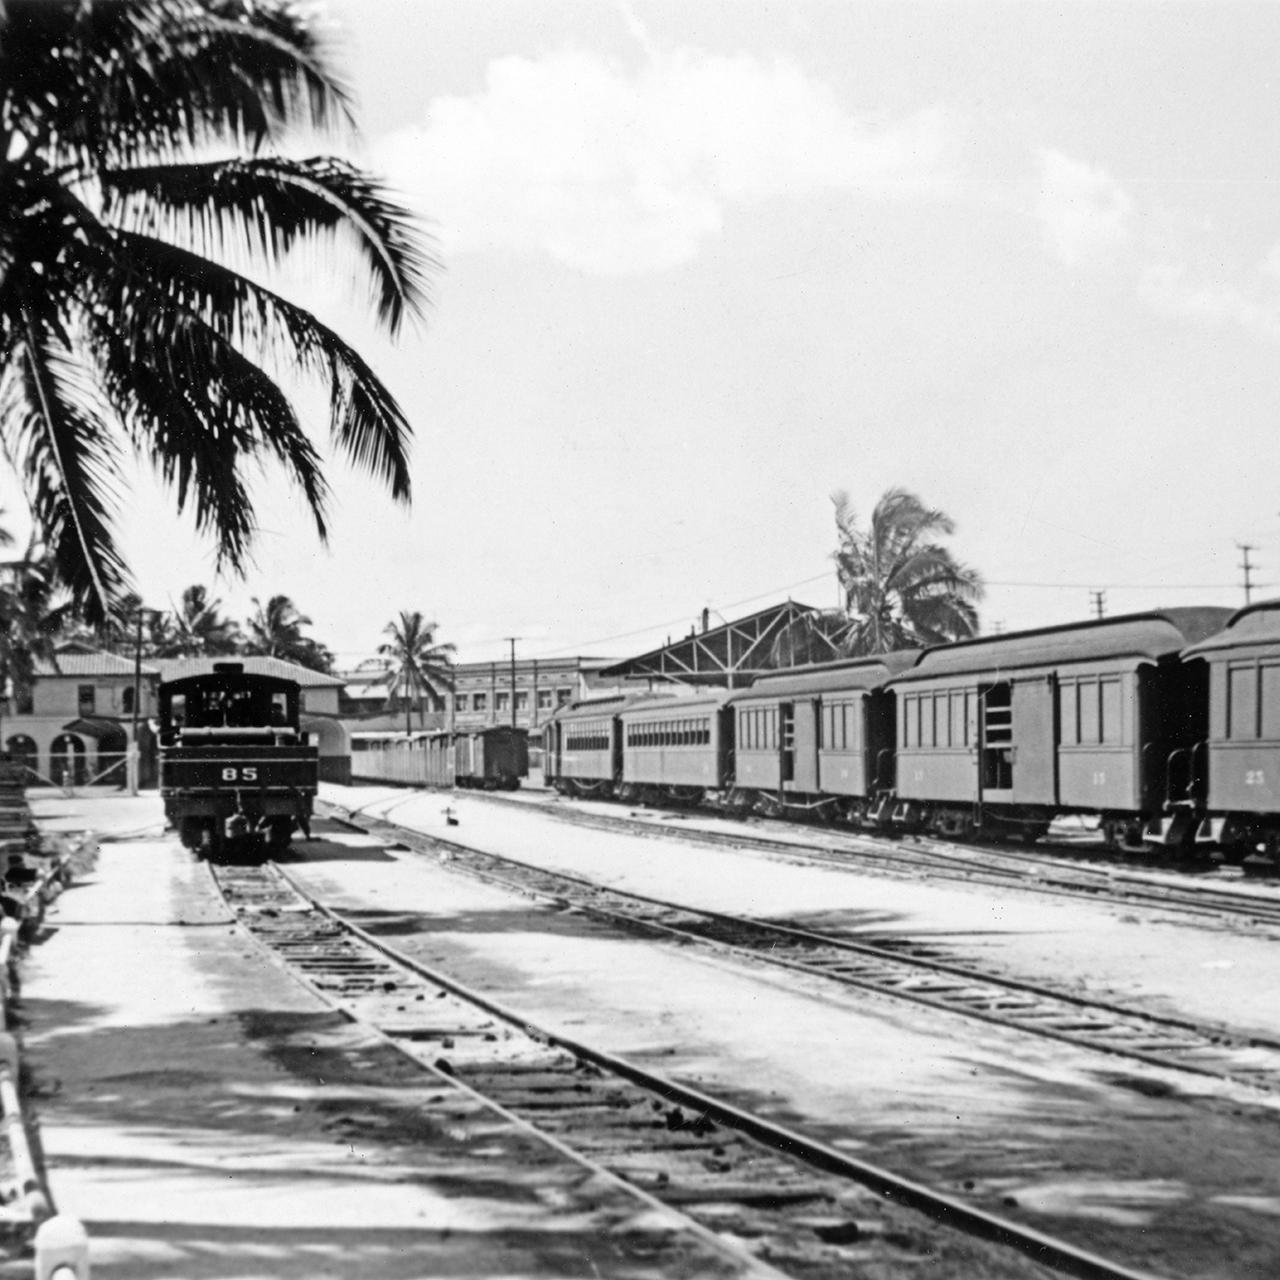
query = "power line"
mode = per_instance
[{"x": 1098, "y": 603}]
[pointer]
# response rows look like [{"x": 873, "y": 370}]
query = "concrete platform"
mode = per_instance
[{"x": 206, "y": 1116}]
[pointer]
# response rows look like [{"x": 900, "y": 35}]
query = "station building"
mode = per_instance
[{"x": 78, "y": 723}]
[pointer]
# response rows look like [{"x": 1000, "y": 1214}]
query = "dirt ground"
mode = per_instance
[{"x": 1180, "y": 1176}]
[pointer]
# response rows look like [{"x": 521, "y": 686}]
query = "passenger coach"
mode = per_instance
[
  {"x": 676, "y": 748},
  {"x": 1004, "y": 733},
  {"x": 818, "y": 738},
  {"x": 1234, "y": 769}
]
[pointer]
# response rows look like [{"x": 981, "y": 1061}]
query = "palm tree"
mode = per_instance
[
  {"x": 276, "y": 630},
  {"x": 200, "y": 628},
  {"x": 141, "y": 193},
  {"x": 417, "y": 665},
  {"x": 901, "y": 588},
  {"x": 32, "y": 617}
]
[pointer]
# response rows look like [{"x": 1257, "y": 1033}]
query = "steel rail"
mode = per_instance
[
  {"x": 1038, "y": 1246},
  {"x": 1097, "y": 1038},
  {"x": 966, "y": 863}
]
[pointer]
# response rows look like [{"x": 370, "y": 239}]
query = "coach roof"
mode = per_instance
[
  {"x": 831, "y": 677},
  {"x": 1254, "y": 624},
  {"x": 1142, "y": 636}
]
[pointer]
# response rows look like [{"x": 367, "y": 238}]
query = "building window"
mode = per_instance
[
  {"x": 522, "y": 700},
  {"x": 126, "y": 701},
  {"x": 85, "y": 699},
  {"x": 564, "y": 697},
  {"x": 502, "y": 702},
  {"x": 480, "y": 702},
  {"x": 460, "y": 701},
  {"x": 544, "y": 699}
]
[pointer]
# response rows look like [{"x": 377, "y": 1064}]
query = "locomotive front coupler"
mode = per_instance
[{"x": 237, "y": 824}]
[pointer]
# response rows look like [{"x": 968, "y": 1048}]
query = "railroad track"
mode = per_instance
[
  {"x": 1037, "y": 872},
  {"x": 805, "y": 1208},
  {"x": 899, "y": 967}
]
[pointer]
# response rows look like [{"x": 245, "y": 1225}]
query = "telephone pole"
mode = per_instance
[
  {"x": 1245, "y": 548},
  {"x": 511, "y": 640},
  {"x": 1098, "y": 603}
]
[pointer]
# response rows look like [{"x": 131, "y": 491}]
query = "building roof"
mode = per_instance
[
  {"x": 80, "y": 661},
  {"x": 1254, "y": 624},
  {"x": 1144, "y": 637},
  {"x": 832, "y": 677},
  {"x": 254, "y": 664},
  {"x": 737, "y": 651}
]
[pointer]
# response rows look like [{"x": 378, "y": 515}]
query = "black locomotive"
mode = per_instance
[
  {"x": 1164, "y": 725},
  {"x": 237, "y": 775}
]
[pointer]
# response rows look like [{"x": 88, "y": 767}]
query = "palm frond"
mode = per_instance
[
  {"x": 268, "y": 204},
  {"x": 163, "y": 281},
  {"x": 64, "y": 451}
]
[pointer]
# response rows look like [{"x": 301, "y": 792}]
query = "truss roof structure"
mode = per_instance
[{"x": 731, "y": 655}]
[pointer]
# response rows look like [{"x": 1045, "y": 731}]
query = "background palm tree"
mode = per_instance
[
  {"x": 140, "y": 191},
  {"x": 200, "y": 630},
  {"x": 417, "y": 665},
  {"x": 32, "y": 618},
  {"x": 901, "y": 588},
  {"x": 276, "y": 630}
]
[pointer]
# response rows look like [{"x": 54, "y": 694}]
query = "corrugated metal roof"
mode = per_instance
[
  {"x": 828, "y": 677},
  {"x": 1254, "y": 624},
  {"x": 659, "y": 706},
  {"x": 79, "y": 661},
  {"x": 1145, "y": 636},
  {"x": 254, "y": 664}
]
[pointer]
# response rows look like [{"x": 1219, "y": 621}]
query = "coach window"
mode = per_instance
[
  {"x": 1112, "y": 717},
  {"x": 1270, "y": 695},
  {"x": 1068, "y": 714},
  {"x": 1089, "y": 718},
  {"x": 1242, "y": 702},
  {"x": 126, "y": 700}
]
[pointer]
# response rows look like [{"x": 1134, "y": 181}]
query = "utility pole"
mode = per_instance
[
  {"x": 1098, "y": 603},
  {"x": 135, "y": 756},
  {"x": 512, "y": 641},
  {"x": 1245, "y": 548}
]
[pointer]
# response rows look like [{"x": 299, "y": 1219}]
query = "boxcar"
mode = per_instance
[
  {"x": 493, "y": 759},
  {"x": 419, "y": 759},
  {"x": 1004, "y": 733},
  {"x": 1234, "y": 770},
  {"x": 822, "y": 737},
  {"x": 676, "y": 748}
]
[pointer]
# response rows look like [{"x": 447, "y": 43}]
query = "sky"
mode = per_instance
[{"x": 706, "y": 262}]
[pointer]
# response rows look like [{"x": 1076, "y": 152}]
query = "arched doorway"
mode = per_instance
[
  {"x": 23, "y": 751},
  {"x": 66, "y": 760}
]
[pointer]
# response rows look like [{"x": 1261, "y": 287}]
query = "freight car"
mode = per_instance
[
  {"x": 493, "y": 758},
  {"x": 237, "y": 775}
]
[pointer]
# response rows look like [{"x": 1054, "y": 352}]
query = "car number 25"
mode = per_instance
[{"x": 240, "y": 773}]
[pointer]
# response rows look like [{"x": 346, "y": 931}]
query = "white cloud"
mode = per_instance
[
  {"x": 624, "y": 170},
  {"x": 1084, "y": 211},
  {"x": 1169, "y": 288}
]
